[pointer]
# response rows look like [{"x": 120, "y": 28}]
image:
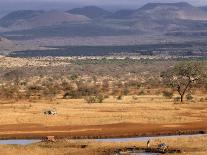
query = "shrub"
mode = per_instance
[
  {"x": 176, "y": 99},
  {"x": 125, "y": 91},
  {"x": 73, "y": 77},
  {"x": 189, "y": 97},
  {"x": 133, "y": 83},
  {"x": 100, "y": 98},
  {"x": 90, "y": 99},
  {"x": 94, "y": 99},
  {"x": 33, "y": 90},
  {"x": 10, "y": 92},
  {"x": 141, "y": 92},
  {"x": 119, "y": 97},
  {"x": 73, "y": 94},
  {"x": 167, "y": 94}
]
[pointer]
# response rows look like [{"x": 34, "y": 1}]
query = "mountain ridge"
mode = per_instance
[
  {"x": 90, "y": 12},
  {"x": 152, "y": 18}
]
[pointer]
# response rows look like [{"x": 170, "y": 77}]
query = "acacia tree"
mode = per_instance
[{"x": 182, "y": 77}]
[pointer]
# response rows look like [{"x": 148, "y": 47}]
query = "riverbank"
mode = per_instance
[{"x": 186, "y": 145}]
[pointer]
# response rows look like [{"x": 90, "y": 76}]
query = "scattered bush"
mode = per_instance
[
  {"x": 141, "y": 92},
  {"x": 189, "y": 97},
  {"x": 167, "y": 94},
  {"x": 90, "y": 99},
  {"x": 119, "y": 97},
  {"x": 176, "y": 99},
  {"x": 94, "y": 99},
  {"x": 100, "y": 98}
]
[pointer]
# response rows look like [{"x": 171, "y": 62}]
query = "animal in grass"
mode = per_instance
[
  {"x": 49, "y": 139},
  {"x": 117, "y": 152},
  {"x": 50, "y": 112},
  {"x": 148, "y": 143},
  {"x": 162, "y": 147}
]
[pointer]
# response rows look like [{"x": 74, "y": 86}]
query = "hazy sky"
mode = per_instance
[
  {"x": 101, "y": 2},
  {"x": 9, "y": 5}
]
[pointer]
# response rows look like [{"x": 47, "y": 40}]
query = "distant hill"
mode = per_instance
[
  {"x": 122, "y": 14},
  {"x": 204, "y": 8},
  {"x": 170, "y": 11},
  {"x": 90, "y": 11},
  {"x": 151, "y": 19},
  {"x": 12, "y": 17},
  {"x": 33, "y": 19}
]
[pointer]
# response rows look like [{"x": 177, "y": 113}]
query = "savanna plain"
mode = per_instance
[{"x": 80, "y": 100}]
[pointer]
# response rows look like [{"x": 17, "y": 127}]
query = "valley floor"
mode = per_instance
[{"x": 147, "y": 115}]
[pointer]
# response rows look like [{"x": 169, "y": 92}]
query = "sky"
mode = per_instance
[
  {"x": 108, "y": 2},
  {"x": 10, "y": 5}
]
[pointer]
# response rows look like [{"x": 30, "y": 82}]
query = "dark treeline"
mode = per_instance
[{"x": 183, "y": 49}]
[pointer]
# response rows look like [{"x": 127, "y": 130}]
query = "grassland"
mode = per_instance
[
  {"x": 112, "y": 118},
  {"x": 133, "y": 104}
]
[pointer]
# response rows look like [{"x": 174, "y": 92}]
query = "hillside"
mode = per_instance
[
  {"x": 30, "y": 19},
  {"x": 90, "y": 11},
  {"x": 155, "y": 19},
  {"x": 170, "y": 11},
  {"x": 15, "y": 16}
]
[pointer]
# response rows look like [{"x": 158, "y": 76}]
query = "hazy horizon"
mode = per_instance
[{"x": 13, "y": 5}]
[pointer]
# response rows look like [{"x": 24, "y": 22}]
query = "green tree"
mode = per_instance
[{"x": 183, "y": 76}]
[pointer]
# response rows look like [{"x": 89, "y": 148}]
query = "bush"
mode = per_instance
[
  {"x": 125, "y": 91},
  {"x": 10, "y": 92},
  {"x": 73, "y": 77},
  {"x": 85, "y": 90},
  {"x": 34, "y": 91},
  {"x": 73, "y": 94},
  {"x": 94, "y": 99},
  {"x": 141, "y": 92},
  {"x": 90, "y": 99},
  {"x": 189, "y": 97},
  {"x": 119, "y": 97},
  {"x": 177, "y": 99},
  {"x": 100, "y": 98},
  {"x": 167, "y": 94}
]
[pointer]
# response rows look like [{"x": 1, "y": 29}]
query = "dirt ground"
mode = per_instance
[{"x": 148, "y": 115}]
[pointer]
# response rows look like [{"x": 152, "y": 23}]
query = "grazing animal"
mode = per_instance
[
  {"x": 162, "y": 147},
  {"x": 50, "y": 112},
  {"x": 50, "y": 138},
  {"x": 148, "y": 143}
]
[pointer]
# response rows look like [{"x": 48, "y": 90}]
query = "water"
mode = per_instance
[
  {"x": 134, "y": 139},
  {"x": 19, "y": 141}
]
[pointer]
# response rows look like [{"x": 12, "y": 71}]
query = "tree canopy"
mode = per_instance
[{"x": 183, "y": 76}]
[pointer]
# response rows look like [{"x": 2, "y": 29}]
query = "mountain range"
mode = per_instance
[{"x": 180, "y": 19}]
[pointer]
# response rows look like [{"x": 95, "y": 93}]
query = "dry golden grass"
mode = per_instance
[{"x": 146, "y": 109}]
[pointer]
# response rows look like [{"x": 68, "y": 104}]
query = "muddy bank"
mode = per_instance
[
  {"x": 139, "y": 150},
  {"x": 37, "y": 131}
]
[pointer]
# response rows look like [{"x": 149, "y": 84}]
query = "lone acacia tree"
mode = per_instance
[{"x": 183, "y": 76}]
